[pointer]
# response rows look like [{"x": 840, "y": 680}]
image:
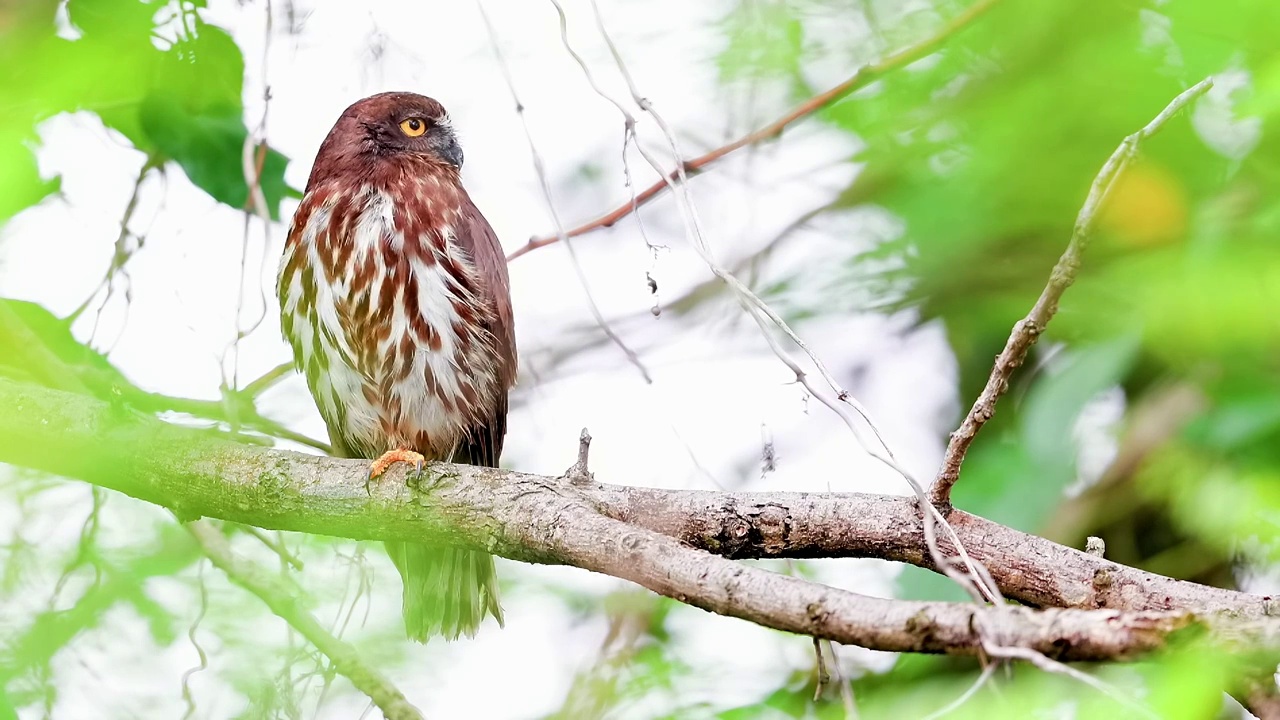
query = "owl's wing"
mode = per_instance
[{"x": 483, "y": 445}]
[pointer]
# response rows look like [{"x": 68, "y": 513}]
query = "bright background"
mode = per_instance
[{"x": 902, "y": 230}]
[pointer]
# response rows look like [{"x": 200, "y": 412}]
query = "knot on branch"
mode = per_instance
[
  {"x": 734, "y": 534},
  {"x": 817, "y": 615},
  {"x": 772, "y": 527}
]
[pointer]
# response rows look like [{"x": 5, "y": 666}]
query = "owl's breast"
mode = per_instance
[{"x": 387, "y": 321}]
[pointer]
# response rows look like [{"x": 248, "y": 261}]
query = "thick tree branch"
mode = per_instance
[
  {"x": 1027, "y": 568},
  {"x": 864, "y": 76},
  {"x": 1027, "y": 330},
  {"x": 284, "y": 602},
  {"x": 642, "y": 535}
]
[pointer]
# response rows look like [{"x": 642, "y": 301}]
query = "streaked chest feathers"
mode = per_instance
[{"x": 388, "y": 318}]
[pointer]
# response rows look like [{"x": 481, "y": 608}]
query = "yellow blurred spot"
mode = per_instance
[{"x": 1147, "y": 207}]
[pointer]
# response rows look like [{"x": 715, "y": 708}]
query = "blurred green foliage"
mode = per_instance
[
  {"x": 155, "y": 72},
  {"x": 984, "y": 153}
]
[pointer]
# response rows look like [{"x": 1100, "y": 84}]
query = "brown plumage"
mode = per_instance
[{"x": 394, "y": 295}]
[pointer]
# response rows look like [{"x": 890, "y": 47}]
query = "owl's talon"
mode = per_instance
[
  {"x": 391, "y": 457},
  {"x": 414, "y": 480}
]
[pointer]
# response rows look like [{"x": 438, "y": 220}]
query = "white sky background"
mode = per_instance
[{"x": 715, "y": 383}]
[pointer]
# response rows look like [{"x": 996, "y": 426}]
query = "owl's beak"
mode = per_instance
[{"x": 447, "y": 147}]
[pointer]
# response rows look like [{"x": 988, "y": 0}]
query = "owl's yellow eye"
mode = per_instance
[{"x": 413, "y": 127}]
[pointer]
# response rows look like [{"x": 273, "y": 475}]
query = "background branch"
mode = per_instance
[
  {"x": 865, "y": 75},
  {"x": 284, "y": 603}
]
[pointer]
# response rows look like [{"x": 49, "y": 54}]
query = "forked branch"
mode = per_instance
[{"x": 1027, "y": 330}]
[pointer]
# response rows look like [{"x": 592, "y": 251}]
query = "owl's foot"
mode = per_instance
[{"x": 391, "y": 457}]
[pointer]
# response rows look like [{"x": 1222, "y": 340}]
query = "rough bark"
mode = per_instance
[{"x": 652, "y": 537}]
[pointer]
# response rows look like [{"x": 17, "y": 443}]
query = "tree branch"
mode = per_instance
[
  {"x": 643, "y": 535},
  {"x": 864, "y": 76},
  {"x": 284, "y": 603},
  {"x": 1027, "y": 330}
]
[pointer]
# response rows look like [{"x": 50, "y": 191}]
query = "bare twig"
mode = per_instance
[
  {"x": 287, "y": 558},
  {"x": 541, "y": 172},
  {"x": 828, "y": 673},
  {"x": 580, "y": 471},
  {"x": 954, "y": 705},
  {"x": 284, "y": 603},
  {"x": 1049, "y": 665},
  {"x": 246, "y": 415},
  {"x": 122, "y": 253},
  {"x": 1027, "y": 330},
  {"x": 253, "y": 157},
  {"x": 341, "y": 619},
  {"x": 187, "y": 695},
  {"x": 970, "y": 576},
  {"x": 820, "y": 662},
  {"x": 268, "y": 380},
  {"x": 846, "y": 687},
  {"x": 861, "y": 78}
]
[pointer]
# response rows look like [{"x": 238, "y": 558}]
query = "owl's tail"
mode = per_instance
[{"x": 447, "y": 590}]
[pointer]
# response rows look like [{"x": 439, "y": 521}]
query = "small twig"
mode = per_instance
[
  {"x": 1050, "y": 665},
  {"x": 253, "y": 156},
  {"x": 341, "y": 619},
  {"x": 579, "y": 472},
  {"x": 268, "y": 379},
  {"x": 121, "y": 254},
  {"x": 187, "y": 695},
  {"x": 864, "y": 76},
  {"x": 824, "y": 678},
  {"x": 846, "y": 687},
  {"x": 954, "y": 705},
  {"x": 832, "y": 672},
  {"x": 286, "y": 557},
  {"x": 540, "y": 171},
  {"x": 284, "y": 603},
  {"x": 1027, "y": 330},
  {"x": 245, "y": 414}
]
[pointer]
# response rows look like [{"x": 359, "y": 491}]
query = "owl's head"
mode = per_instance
[{"x": 388, "y": 125}]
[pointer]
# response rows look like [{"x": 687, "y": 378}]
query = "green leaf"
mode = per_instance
[
  {"x": 209, "y": 147},
  {"x": 195, "y": 116},
  {"x": 20, "y": 183},
  {"x": 1055, "y": 402}
]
